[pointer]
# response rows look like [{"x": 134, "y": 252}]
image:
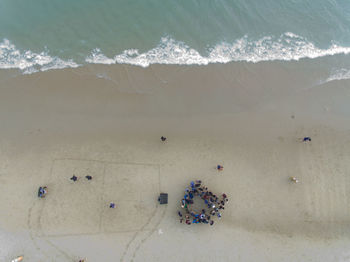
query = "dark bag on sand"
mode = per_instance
[{"x": 163, "y": 198}]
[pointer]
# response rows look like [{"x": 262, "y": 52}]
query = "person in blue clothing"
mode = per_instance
[
  {"x": 42, "y": 192},
  {"x": 307, "y": 139},
  {"x": 219, "y": 167}
]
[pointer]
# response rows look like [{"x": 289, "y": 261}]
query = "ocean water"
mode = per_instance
[{"x": 53, "y": 34}]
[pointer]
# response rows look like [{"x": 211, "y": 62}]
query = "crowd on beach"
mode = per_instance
[{"x": 213, "y": 204}]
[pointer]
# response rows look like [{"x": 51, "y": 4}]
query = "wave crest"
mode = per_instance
[
  {"x": 286, "y": 47},
  {"x": 28, "y": 61}
]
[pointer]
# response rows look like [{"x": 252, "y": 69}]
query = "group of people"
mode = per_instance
[
  {"x": 213, "y": 205},
  {"x": 74, "y": 178},
  {"x": 43, "y": 189}
]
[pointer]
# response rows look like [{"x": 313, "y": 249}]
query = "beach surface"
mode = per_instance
[{"x": 106, "y": 121}]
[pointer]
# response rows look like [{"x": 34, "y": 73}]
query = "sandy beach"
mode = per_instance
[{"x": 106, "y": 121}]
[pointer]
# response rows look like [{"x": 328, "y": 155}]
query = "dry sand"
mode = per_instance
[{"x": 106, "y": 121}]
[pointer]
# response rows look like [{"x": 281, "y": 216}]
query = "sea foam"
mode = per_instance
[
  {"x": 338, "y": 74},
  {"x": 28, "y": 61},
  {"x": 287, "y": 47}
]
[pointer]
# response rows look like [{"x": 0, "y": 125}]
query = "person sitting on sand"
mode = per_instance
[
  {"x": 74, "y": 178},
  {"x": 294, "y": 179},
  {"x": 112, "y": 205},
  {"x": 42, "y": 192},
  {"x": 88, "y": 177},
  {"x": 220, "y": 167},
  {"x": 163, "y": 138},
  {"x": 307, "y": 139}
]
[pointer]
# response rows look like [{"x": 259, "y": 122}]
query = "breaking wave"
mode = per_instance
[
  {"x": 28, "y": 61},
  {"x": 286, "y": 47}
]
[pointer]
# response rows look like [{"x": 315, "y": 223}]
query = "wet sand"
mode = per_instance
[{"x": 106, "y": 121}]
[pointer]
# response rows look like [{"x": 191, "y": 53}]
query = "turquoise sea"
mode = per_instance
[{"x": 52, "y": 34}]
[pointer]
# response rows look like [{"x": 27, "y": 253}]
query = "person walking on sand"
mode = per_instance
[{"x": 74, "y": 178}]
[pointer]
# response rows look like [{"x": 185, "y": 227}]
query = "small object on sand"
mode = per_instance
[
  {"x": 88, "y": 177},
  {"x": 17, "y": 259},
  {"x": 74, "y": 178},
  {"x": 163, "y": 198},
  {"x": 307, "y": 139},
  {"x": 220, "y": 167},
  {"x": 111, "y": 205},
  {"x": 42, "y": 192},
  {"x": 163, "y": 138},
  {"x": 294, "y": 179}
]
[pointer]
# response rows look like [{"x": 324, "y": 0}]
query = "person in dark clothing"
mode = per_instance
[
  {"x": 88, "y": 177},
  {"x": 163, "y": 138},
  {"x": 307, "y": 139},
  {"x": 42, "y": 192},
  {"x": 74, "y": 178}
]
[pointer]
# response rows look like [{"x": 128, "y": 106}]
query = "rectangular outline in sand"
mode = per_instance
[{"x": 81, "y": 194}]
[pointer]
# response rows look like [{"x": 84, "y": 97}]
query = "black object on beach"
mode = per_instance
[
  {"x": 74, "y": 178},
  {"x": 163, "y": 198},
  {"x": 163, "y": 138},
  {"x": 111, "y": 205},
  {"x": 88, "y": 177},
  {"x": 307, "y": 138}
]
